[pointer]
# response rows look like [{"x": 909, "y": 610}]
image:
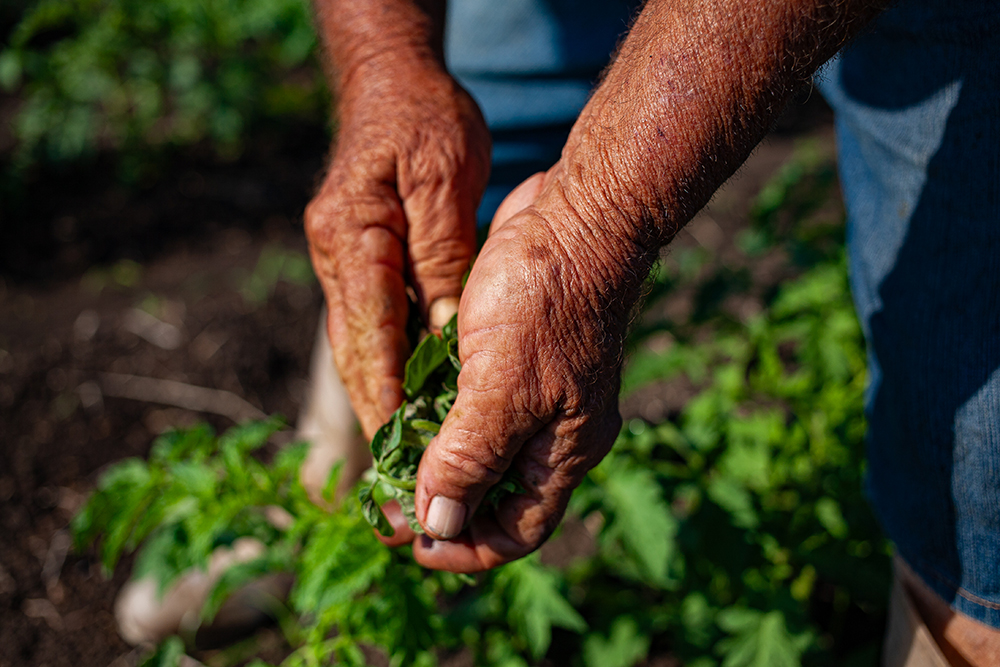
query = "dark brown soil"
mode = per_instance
[{"x": 78, "y": 254}]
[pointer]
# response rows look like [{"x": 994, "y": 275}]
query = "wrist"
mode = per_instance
[
  {"x": 607, "y": 246},
  {"x": 375, "y": 38},
  {"x": 394, "y": 69}
]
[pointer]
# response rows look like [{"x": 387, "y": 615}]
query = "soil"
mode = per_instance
[{"x": 81, "y": 254}]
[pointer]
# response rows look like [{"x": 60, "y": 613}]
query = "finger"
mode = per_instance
[
  {"x": 478, "y": 439},
  {"x": 347, "y": 359},
  {"x": 482, "y": 546},
  {"x": 440, "y": 201},
  {"x": 441, "y": 311},
  {"x": 403, "y": 533},
  {"x": 376, "y": 318},
  {"x": 519, "y": 199},
  {"x": 357, "y": 249},
  {"x": 550, "y": 465}
]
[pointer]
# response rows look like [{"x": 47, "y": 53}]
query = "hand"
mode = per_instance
[
  {"x": 541, "y": 326},
  {"x": 396, "y": 209}
]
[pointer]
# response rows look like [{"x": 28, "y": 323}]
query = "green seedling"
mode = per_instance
[{"x": 430, "y": 383}]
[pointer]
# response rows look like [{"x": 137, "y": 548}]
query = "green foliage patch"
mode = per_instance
[
  {"x": 132, "y": 76},
  {"x": 430, "y": 383},
  {"x": 731, "y": 534}
]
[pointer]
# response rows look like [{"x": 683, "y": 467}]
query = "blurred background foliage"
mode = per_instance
[{"x": 138, "y": 77}]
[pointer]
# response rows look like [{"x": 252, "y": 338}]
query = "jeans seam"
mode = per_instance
[{"x": 957, "y": 589}]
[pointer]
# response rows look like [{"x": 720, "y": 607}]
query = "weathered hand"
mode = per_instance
[
  {"x": 541, "y": 325},
  {"x": 692, "y": 89},
  {"x": 396, "y": 209}
]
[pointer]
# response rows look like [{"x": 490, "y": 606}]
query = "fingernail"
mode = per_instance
[
  {"x": 445, "y": 517},
  {"x": 442, "y": 310}
]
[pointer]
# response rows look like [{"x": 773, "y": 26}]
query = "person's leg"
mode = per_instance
[
  {"x": 328, "y": 424},
  {"x": 908, "y": 641},
  {"x": 918, "y": 123}
]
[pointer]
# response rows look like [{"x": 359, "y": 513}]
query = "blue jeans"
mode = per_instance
[
  {"x": 530, "y": 64},
  {"x": 918, "y": 123},
  {"x": 918, "y": 126}
]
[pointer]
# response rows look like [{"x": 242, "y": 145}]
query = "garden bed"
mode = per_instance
[{"x": 195, "y": 277}]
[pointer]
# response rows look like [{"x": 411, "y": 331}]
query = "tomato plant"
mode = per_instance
[{"x": 732, "y": 533}]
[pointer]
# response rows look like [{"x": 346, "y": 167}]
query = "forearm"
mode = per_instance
[
  {"x": 695, "y": 86},
  {"x": 369, "y": 40}
]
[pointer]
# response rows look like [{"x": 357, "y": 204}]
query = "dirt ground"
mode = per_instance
[{"x": 151, "y": 281}]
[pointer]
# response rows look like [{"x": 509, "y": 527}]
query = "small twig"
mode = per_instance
[
  {"x": 159, "y": 333},
  {"x": 179, "y": 394}
]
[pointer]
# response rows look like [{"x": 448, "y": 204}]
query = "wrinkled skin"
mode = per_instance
[
  {"x": 541, "y": 326},
  {"x": 541, "y": 322},
  {"x": 396, "y": 209},
  {"x": 540, "y": 337}
]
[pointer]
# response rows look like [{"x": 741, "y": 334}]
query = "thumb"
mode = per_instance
[
  {"x": 470, "y": 454},
  {"x": 517, "y": 200}
]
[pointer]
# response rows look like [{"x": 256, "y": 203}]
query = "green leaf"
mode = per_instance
[
  {"x": 247, "y": 437},
  {"x": 289, "y": 460},
  {"x": 192, "y": 444},
  {"x": 536, "y": 604},
  {"x": 748, "y": 456},
  {"x": 164, "y": 556},
  {"x": 329, "y": 490},
  {"x": 123, "y": 495},
  {"x": 373, "y": 510},
  {"x": 509, "y": 484},
  {"x": 450, "y": 331},
  {"x": 830, "y": 517},
  {"x": 10, "y": 70},
  {"x": 736, "y": 500},
  {"x": 341, "y": 559},
  {"x": 759, "y": 639},
  {"x": 425, "y": 425},
  {"x": 697, "y": 619},
  {"x": 430, "y": 353},
  {"x": 388, "y": 436},
  {"x": 167, "y": 654},
  {"x": 195, "y": 479},
  {"x": 623, "y": 648},
  {"x": 641, "y": 520}
]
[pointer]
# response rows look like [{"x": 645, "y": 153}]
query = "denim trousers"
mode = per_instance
[{"x": 917, "y": 102}]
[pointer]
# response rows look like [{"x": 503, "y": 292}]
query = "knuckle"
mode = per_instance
[
  {"x": 473, "y": 466},
  {"x": 445, "y": 259},
  {"x": 549, "y": 524},
  {"x": 321, "y": 218},
  {"x": 314, "y": 218}
]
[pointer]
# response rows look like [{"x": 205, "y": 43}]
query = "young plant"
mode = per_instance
[
  {"x": 198, "y": 492},
  {"x": 733, "y": 533},
  {"x": 431, "y": 384}
]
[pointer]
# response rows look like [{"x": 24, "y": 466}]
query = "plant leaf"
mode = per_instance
[
  {"x": 426, "y": 358},
  {"x": 536, "y": 604},
  {"x": 625, "y": 646},
  {"x": 759, "y": 639},
  {"x": 641, "y": 520}
]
